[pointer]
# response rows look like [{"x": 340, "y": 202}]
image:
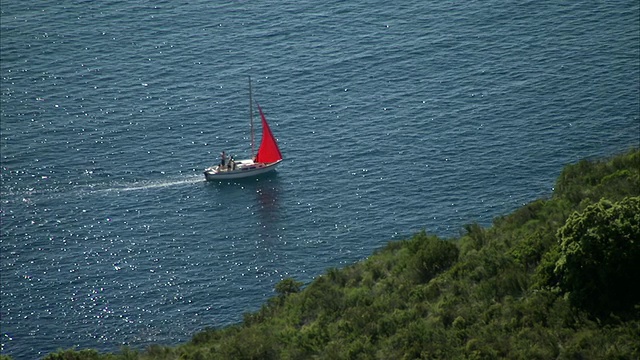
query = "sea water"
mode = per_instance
[{"x": 393, "y": 117}]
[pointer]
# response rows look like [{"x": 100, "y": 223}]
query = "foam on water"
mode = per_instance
[{"x": 153, "y": 184}]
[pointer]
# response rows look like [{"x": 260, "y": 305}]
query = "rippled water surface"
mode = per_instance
[{"x": 392, "y": 118}]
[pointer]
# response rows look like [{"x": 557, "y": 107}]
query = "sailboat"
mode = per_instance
[{"x": 264, "y": 161}]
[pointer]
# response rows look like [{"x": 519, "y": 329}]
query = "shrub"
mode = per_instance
[
  {"x": 288, "y": 286},
  {"x": 599, "y": 260},
  {"x": 70, "y": 354},
  {"x": 431, "y": 256},
  {"x": 474, "y": 239}
]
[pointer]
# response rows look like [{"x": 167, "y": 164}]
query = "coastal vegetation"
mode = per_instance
[{"x": 557, "y": 278}]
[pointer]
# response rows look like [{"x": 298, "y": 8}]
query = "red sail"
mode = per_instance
[{"x": 268, "y": 151}]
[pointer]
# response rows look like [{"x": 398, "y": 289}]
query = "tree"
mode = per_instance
[
  {"x": 431, "y": 256},
  {"x": 599, "y": 260},
  {"x": 287, "y": 286}
]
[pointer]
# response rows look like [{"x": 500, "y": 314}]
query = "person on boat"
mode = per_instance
[
  {"x": 223, "y": 159},
  {"x": 232, "y": 162}
]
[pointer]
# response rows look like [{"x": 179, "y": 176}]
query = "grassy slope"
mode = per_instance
[{"x": 482, "y": 295}]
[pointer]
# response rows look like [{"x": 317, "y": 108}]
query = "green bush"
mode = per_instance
[
  {"x": 288, "y": 286},
  {"x": 599, "y": 262},
  {"x": 70, "y": 354},
  {"x": 431, "y": 256},
  {"x": 613, "y": 179}
]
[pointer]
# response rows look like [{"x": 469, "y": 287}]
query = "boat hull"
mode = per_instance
[{"x": 245, "y": 171}]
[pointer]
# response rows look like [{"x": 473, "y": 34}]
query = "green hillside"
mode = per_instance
[{"x": 557, "y": 278}]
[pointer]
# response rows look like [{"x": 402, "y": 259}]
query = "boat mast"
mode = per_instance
[{"x": 253, "y": 155}]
